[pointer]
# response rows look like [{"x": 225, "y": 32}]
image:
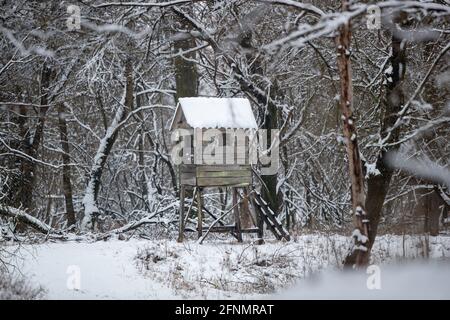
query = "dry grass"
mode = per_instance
[
  {"x": 17, "y": 288},
  {"x": 225, "y": 269}
]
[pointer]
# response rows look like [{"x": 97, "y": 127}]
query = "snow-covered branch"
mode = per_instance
[{"x": 25, "y": 218}]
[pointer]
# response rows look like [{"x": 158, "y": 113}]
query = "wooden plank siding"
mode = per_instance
[
  {"x": 222, "y": 174},
  {"x": 206, "y": 168},
  {"x": 228, "y": 181},
  {"x": 215, "y": 175}
]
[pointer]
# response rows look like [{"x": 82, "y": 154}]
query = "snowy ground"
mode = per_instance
[
  {"x": 107, "y": 271},
  {"x": 164, "y": 269},
  {"x": 415, "y": 280}
]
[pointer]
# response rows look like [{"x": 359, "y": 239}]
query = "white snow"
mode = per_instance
[
  {"x": 219, "y": 268},
  {"x": 107, "y": 270},
  {"x": 406, "y": 281},
  {"x": 205, "y": 112},
  {"x": 359, "y": 236},
  {"x": 359, "y": 211},
  {"x": 371, "y": 169},
  {"x": 360, "y": 247},
  {"x": 388, "y": 70}
]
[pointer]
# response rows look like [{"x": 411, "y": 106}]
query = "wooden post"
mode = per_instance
[
  {"x": 244, "y": 209},
  {"x": 260, "y": 225},
  {"x": 199, "y": 213},
  {"x": 236, "y": 215},
  {"x": 181, "y": 224}
]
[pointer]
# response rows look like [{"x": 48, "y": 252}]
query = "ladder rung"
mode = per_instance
[{"x": 269, "y": 217}]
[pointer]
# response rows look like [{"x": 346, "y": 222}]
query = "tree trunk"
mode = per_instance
[
  {"x": 142, "y": 176},
  {"x": 14, "y": 189},
  {"x": 427, "y": 210},
  {"x": 378, "y": 185},
  {"x": 186, "y": 75},
  {"x": 31, "y": 146},
  {"x": 22, "y": 188},
  {"x": 244, "y": 209},
  {"x": 269, "y": 189},
  {"x": 186, "y": 79},
  {"x": 360, "y": 234},
  {"x": 67, "y": 184}
]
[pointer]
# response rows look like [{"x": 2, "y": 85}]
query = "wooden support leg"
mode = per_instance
[
  {"x": 181, "y": 224},
  {"x": 199, "y": 213},
  {"x": 244, "y": 209},
  {"x": 236, "y": 215},
  {"x": 260, "y": 225},
  {"x": 259, "y": 221}
]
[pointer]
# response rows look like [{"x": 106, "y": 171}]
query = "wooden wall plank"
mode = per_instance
[
  {"x": 223, "y": 181},
  {"x": 218, "y": 174},
  {"x": 201, "y": 168}
]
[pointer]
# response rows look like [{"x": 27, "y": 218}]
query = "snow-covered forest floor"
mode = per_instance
[{"x": 164, "y": 269}]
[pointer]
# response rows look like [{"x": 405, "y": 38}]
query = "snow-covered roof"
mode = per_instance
[{"x": 202, "y": 112}]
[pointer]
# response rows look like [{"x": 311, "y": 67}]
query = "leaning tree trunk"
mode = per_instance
[
  {"x": 26, "y": 219},
  {"x": 360, "y": 234},
  {"x": 66, "y": 181},
  {"x": 91, "y": 210}
]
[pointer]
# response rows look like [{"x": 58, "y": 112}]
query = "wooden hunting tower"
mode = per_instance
[{"x": 232, "y": 120}]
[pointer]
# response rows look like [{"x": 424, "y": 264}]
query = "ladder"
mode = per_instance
[{"x": 268, "y": 216}]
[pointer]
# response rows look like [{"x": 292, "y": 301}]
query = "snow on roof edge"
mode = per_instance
[{"x": 207, "y": 112}]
